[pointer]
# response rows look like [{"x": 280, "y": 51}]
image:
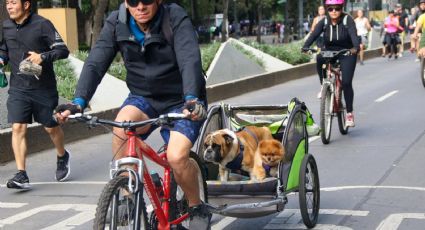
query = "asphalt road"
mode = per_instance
[{"x": 370, "y": 178}]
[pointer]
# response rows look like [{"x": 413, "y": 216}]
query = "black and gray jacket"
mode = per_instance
[
  {"x": 163, "y": 73},
  {"x": 336, "y": 37},
  {"x": 35, "y": 34}
]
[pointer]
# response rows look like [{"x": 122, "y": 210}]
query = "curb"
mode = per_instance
[{"x": 75, "y": 131}]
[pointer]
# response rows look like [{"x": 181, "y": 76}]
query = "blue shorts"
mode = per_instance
[{"x": 188, "y": 128}]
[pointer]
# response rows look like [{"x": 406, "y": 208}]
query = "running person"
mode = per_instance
[
  {"x": 164, "y": 74},
  {"x": 338, "y": 36},
  {"x": 416, "y": 40},
  {"x": 363, "y": 28},
  {"x": 29, "y": 36}
]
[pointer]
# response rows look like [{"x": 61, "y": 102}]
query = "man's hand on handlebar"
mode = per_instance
[
  {"x": 64, "y": 110},
  {"x": 353, "y": 51},
  {"x": 195, "y": 110}
]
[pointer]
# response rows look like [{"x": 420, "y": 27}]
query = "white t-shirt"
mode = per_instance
[{"x": 361, "y": 26}]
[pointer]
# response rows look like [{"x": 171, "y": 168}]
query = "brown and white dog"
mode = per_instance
[{"x": 237, "y": 151}]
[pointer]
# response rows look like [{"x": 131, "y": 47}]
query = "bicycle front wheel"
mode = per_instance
[
  {"x": 342, "y": 113},
  {"x": 423, "y": 71},
  {"x": 178, "y": 202},
  {"x": 118, "y": 208},
  {"x": 326, "y": 109}
]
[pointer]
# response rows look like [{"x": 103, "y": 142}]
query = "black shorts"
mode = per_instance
[{"x": 24, "y": 105}]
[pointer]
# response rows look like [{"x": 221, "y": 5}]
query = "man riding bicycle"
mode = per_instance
[
  {"x": 164, "y": 74},
  {"x": 340, "y": 33}
]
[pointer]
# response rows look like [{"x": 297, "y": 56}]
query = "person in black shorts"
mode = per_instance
[{"x": 28, "y": 36}]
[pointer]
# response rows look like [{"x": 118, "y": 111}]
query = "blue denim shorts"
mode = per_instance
[{"x": 188, "y": 128}]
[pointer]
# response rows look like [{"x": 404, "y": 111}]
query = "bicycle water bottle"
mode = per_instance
[{"x": 158, "y": 184}]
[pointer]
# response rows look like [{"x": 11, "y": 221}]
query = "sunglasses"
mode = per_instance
[
  {"x": 333, "y": 8},
  {"x": 134, "y": 3}
]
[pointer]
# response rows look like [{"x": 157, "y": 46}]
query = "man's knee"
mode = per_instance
[
  {"x": 53, "y": 130},
  {"x": 19, "y": 129}
]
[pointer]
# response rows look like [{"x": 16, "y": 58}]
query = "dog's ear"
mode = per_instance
[{"x": 228, "y": 139}]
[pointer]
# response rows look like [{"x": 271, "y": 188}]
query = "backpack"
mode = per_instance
[{"x": 344, "y": 22}]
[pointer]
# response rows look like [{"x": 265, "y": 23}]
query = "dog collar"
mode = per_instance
[
  {"x": 267, "y": 168},
  {"x": 236, "y": 164}
]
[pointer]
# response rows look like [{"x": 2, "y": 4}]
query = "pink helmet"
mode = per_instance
[{"x": 334, "y": 2}]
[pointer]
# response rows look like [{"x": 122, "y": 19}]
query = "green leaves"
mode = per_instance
[{"x": 66, "y": 79}]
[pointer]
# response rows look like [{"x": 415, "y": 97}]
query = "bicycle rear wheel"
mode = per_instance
[
  {"x": 326, "y": 114},
  {"x": 119, "y": 209},
  {"x": 178, "y": 203},
  {"x": 423, "y": 71},
  {"x": 342, "y": 113}
]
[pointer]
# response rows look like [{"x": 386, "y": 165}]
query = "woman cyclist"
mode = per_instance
[{"x": 340, "y": 33}]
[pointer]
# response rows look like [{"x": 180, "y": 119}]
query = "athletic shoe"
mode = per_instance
[
  {"x": 63, "y": 167},
  {"x": 200, "y": 217},
  {"x": 19, "y": 181},
  {"x": 313, "y": 130},
  {"x": 349, "y": 120},
  {"x": 400, "y": 55},
  {"x": 417, "y": 60},
  {"x": 361, "y": 63}
]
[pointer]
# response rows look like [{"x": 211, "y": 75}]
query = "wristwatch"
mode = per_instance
[{"x": 43, "y": 57}]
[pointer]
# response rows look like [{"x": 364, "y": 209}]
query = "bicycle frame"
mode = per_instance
[
  {"x": 134, "y": 143},
  {"x": 333, "y": 79}
]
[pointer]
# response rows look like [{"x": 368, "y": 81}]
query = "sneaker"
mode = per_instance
[
  {"x": 400, "y": 55},
  {"x": 63, "y": 167},
  {"x": 200, "y": 217},
  {"x": 417, "y": 60},
  {"x": 19, "y": 181},
  {"x": 361, "y": 63},
  {"x": 313, "y": 130},
  {"x": 349, "y": 120}
]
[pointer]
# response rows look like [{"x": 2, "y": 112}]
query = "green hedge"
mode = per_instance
[
  {"x": 117, "y": 68},
  {"x": 66, "y": 78},
  {"x": 290, "y": 53}
]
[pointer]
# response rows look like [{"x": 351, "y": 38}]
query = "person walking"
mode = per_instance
[
  {"x": 363, "y": 27},
  {"x": 33, "y": 39}
]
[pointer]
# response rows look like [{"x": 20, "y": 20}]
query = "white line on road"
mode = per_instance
[
  {"x": 386, "y": 96},
  {"x": 12, "y": 205},
  {"x": 223, "y": 223},
  {"x": 332, "y": 189}
]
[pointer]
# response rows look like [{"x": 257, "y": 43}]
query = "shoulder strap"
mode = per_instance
[
  {"x": 166, "y": 27},
  {"x": 344, "y": 20}
]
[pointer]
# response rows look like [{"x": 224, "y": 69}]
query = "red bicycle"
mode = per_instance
[
  {"x": 331, "y": 103},
  {"x": 121, "y": 204}
]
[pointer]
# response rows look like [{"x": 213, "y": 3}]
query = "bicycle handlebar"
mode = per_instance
[
  {"x": 309, "y": 50},
  {"x": 161, "y": 120},
  {"x": 332, "y": 54}
]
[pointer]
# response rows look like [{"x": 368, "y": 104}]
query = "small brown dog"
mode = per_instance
[
  {"x": 267, "y": 157},
  {"x": 237, "y": 151}
]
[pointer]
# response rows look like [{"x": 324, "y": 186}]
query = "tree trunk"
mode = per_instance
[
  {"x": 99, "y": 16},
  {"x": 195, "y": 18},
  {"x": 259, "y": 16},
  {"x": 224, "y": 24}
]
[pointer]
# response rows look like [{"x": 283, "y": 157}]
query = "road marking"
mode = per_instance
[
  {"x": 291, "y": 219},
  {"x": 393, "y": 221},
  {"x": 332, "y": 189},
  {"x": 223, "y": 223},
  {"x": 12, "y": 205},
  {"x": 66, "y": 183},
  {"x": 86, "y": 213},
  {"x": 386, "y": 96}
]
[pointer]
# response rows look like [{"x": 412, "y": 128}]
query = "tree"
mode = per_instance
[
  {"x": 225, "y": 23},
  {"x": 3, "y": 12},
  {"x": 99, "y": 15}
]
